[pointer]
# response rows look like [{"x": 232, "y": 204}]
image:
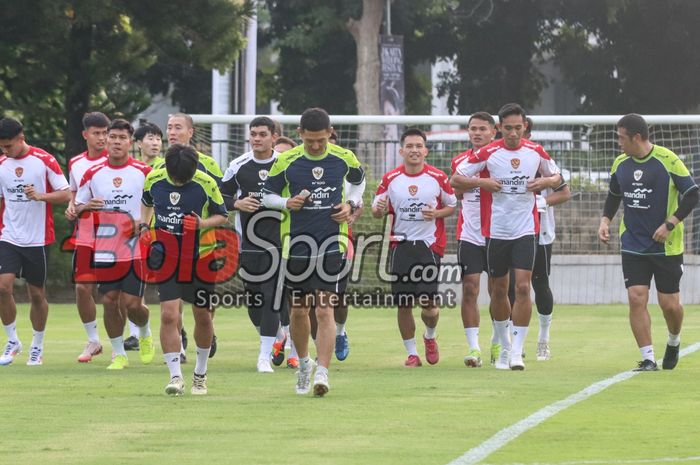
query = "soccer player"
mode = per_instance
[
  {"x": 282, "y": 144},
  {"x": 649, "y": 179},
  {"x": 31, "y": 181},
  {"x": 186, "y": 204},
  {"x": 509, "y": 222},
  {"x": 471, "y": 248},
  {"x": 308, "y": 184},
  {"x": 180, "y": 130},
  {"x": 112, "y": 192},
  {"x": 419, "y": 197},
  {"x": 544, "y": 300},
  {"x": 149, "y": 140},
  {"x": 259, "y": 229},
  {"x": 95, "y": 126}
]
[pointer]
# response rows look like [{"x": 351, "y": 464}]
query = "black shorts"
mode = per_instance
[
  {"x": 502, "y": 255},
  {"x": 131, "y": 283},
  {"x": 258, "y": 265},
  {"x": 417, "y": 269},
  {"x": 543, "y": 261},
  {"x": 471, "y": 258},
  {"x": 324, "y": 273},
  {"x": 29, "y": 263},
  {"x": 192, "y": 290},
  {"x": 666, "y": 271}
]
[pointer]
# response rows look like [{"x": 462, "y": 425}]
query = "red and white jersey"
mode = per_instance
[
  {"x": 79, "y": 164},
  {"x": 512, "y": 212},
  {"x": 408, "y": 195},
  {"x": 469, "y": 220},
  {"x": 121, "y": 188},
  {"x": 25, "y": 222}
]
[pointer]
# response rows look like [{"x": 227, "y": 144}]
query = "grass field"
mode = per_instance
[{"x": 376, "y": 412}]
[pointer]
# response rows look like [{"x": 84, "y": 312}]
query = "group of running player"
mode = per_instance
[{"x": 152, "y": 221}]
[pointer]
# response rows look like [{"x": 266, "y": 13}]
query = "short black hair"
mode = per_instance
[
  {"x": 122, "y": 124},
  {"x": 263, "y": 121},
  {"x": 285, "y": 140},
  {"x": 145, "y": 129},
  {"x": 95, "y": 119},
  {"x": 413, "y": 132},
  {"x": 10, "y": 128},
  {"x": 482, "y": 115},
  {"x": 530, "y": 126},
  {"x": 511, "y": 109},
  {"x": 334, "y": 136},
  {"x": 314, "y": 119},
  {"x": 634, "y": 124},
  {"x": 181, "y": 163}
]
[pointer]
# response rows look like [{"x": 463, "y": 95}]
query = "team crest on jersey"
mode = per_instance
[
  {"x": 18, "y": 171},
  {"x": 515, "y": 163},
  {"x": 263, "y": 174},
  {"x": 413, "y": 189},
  {"x": 117, "y": 182},
  {"x": 638, "y": 175},
  {"x": 317, "y": 172},
  {"x": 174, "y": 197}
]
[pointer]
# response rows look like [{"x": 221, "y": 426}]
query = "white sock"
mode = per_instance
[
  {"x": 286, "y": 330},
  {"x": 38, "y": 339},
  {"x": 266, "y": 347},
  {"x": 339, "y": 329},
  {"x": 322, "y": 369},
  {"x": 494, "y": 336},
  {"x": 11, "y": 331},
  {"x": 545, "y": 323},
  {"x": 118, "y": 345},
  {"x": 145, "y": 330},
  {"x": 472, "y": 338},
  {"x": 293, "y": 351},
  {"x": 674, "y": 339},
  {"x": 133, "y": 329},
  {"x": 172, "y": 359},
  {"x": 91, "y": 330},
  {"x": 304, "y": 363},
  {"x": 200, "y": 368},
  {"x": 410, "y": 345},
  {"x": 430, "y": 332},
  {"x": 647, "y": 353},
  {"x": 500, "y": 328},
  {"x": 519, "y": 335},
  {"x": 280, "y": 333}
]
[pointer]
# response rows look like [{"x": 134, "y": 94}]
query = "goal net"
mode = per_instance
[{"x": 584, "y": 147}]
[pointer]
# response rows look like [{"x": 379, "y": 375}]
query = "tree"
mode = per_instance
[{"x": 61, "y": 58}]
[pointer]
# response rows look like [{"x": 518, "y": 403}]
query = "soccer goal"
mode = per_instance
[{"x": 583, "y": 269}]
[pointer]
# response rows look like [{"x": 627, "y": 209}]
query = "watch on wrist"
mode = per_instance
[
  {"x": 353, "y": 206},
  {"x": 143, "y": 226},
  {"x": 669, "y": 225}
]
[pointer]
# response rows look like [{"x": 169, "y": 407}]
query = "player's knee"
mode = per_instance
[
  {"x": 470, "y": 290},
  {"x": 522, "y": 290}
]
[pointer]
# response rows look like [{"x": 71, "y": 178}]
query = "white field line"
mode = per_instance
[
  {"x": 616, "y": 462},
  {"x": 506, "y": 435}
]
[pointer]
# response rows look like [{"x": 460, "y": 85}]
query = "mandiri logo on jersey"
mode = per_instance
[{"x": 317, "y": 172}]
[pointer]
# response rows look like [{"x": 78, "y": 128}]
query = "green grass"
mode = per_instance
[{"x": 376, "y": 412}]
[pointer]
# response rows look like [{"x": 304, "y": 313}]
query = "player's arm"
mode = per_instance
[
  {"x": 561, "y": 195},
  {"x": 612, "y": 203},
  {"x": 686, "y": 205},
  {"x": 54, "y": 198}
]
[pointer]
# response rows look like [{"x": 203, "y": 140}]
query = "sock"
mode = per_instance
[
  {"x": 545, "y": 323},
  {"x": 280, "y": 333},
  {"x": 519, "y": 335},
  {"x": 500, "y": 328},
  {"x": 172, "y": 359},
  {"x": 293, "y": 351},
  {"x": 322, "y": 369},
  {"x": 304, "y": 363},
  {"x": 430, "y": 333},
  {"x": 339, "y": 329},
  {"x": 11, "y": 331},
  {"x": 133, "y": 329},
  {"x": 145, "y": 330},
  {"x": 266, "y": 347},
  {"x": 200, "y": 368},
  {"x": 91, "y": 330},
  {"x": 182, "y": 347},
  {"x": 118, "y": 345},
  {"x": 286, "y": 330},
  {"x": 410, "y": 345},
  {"x": 647, "y": 353},
  {"x": 472, "y": 338},
  {"x": 674, "y": 339},
  {"x": 494, "y": 336},
  {"x": 38, "y": 339}
]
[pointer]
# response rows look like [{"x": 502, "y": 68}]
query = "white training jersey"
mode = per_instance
[
  {"x": 79, "y": 164},
  {"x": 408, "y": 195},
  {"x": 512, "y": 212},
  {"x": 121, "y": 188},
  {"x": 25, "y": 222},
  {"x": 469, "y": 219}
]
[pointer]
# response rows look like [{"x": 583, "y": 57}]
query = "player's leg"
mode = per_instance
[
  {"x": 667, "y": 276},
  {"x": 522, "y": 261},
  {"x": 404, "y": 298},
  {"x": 325, "y": 339},
  {"x": 638, "y": 271},
  {"x": 472, "y": 261},
  {"x": 498, "y": 258},
  {"x": 8, "y": 314},
  {"x": 340, "y": 315},
  {"x": 114, "y": 324},
  {"x": 87, "y": 309},
  {"x": 132, "y": 299},
  {"x": 34, "y": 269},
  {"x": 544, "y": 300},
  {"x": 200, "y": 297},
  {"x": 269, "y": 329},
  {"x": 170, "y": 339}
]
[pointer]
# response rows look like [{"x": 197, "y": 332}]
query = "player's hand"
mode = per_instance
[
  {"x": 604, "y": 231},
  {"x": 296, "y": 203},
  {"x": 96, "y": 203},
  {"x": 145, "y": 237},
  {"x": 429, "y": 213},
  {"x": 31, "y": 193},
  {"x": 248, "y": 204},
  {"x": 538, "y": 184},
  {"x": 661, "y": 234},
  {"x": 191, "y": 222},
  {"x": 343, "y": 213},
  {"x": 490, "y": 184},
  {"x": 380, "y": 207},
  {"x": 70, "y": 213},
  {"x": 355, "y": 216}
]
